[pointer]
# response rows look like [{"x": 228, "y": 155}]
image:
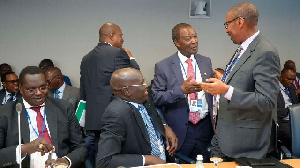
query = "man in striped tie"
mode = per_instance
[{"x": 132, "y": 134}]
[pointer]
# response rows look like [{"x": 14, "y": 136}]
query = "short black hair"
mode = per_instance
[
  {"x": 3, "y": 76},
  {"x": 48, "y": 62},
  {"x": 285, "y": 69},
  {"x": 176, "y": 30},
  {"x": 32, "y": 70}
]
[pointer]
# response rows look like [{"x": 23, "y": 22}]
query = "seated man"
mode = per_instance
[
  {"x": 287, "y": 96},
  {"x": 10, "y": 92},
  {"x": 45, "y": 64},
  {"x": 3, "y": 69},
  {"x": 59, "y": 89},
  {"x": 132, "y": 131},
  {"x": 45, "y": 123}
]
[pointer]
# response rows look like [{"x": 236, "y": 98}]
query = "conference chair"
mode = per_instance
[{"x": 294, "y": 111}]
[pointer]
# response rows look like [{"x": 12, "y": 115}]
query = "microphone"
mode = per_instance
[{"x": 19, "y": 109}]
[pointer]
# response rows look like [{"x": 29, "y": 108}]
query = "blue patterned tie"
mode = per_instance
[
  {"x": 151, "y": 131},
  {"x": 56, "y": 94}
]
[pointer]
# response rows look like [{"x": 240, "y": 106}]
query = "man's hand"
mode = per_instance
[
  {"x": 190, "y": 87},
  {"x": 214, "y": 86},
  {"x": 171, "y": 140},
  {"x": 152, "y": 160},
  {"x": 298, "y": 91},
  {"x": 37, "y": 145},
  {"x": 51, "y": 163},
  {"x": 128, "y": 52}
]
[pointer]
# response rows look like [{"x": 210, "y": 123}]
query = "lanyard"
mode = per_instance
[
  {"x": 186, "y": 73},
  {"x": 228, "y": 69},
  {"x": 37, "y": 134},
  {"x": 288, "y": 94}
]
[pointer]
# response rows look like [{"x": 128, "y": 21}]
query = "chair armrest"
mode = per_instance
[
  {"x": 286, "y": 152},
  {"x": 185, "y": 158}
]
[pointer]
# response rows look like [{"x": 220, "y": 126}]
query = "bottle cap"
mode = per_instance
[{"x": 199, "y": 157}]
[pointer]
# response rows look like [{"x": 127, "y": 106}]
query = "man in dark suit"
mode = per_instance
[
  {"x": 248, "y": 89},
  {"x": 132, "y": 132},
  {"x": 290, "y": 63},
  {"x": 175, "y": 90},
  {"x": 286, "y": 97},
  {"x": 59, "y": 89},
  {"x": 95, "y": 70},
  {"x": 45, "y": 123},
  {"x": 10, "y": 92},
  {"x": 3, "y": 69}
]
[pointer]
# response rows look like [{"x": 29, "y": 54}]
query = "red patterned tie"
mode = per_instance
[
  {"x": 194, "y": 117},
  {"x": 40, "y": 122}
]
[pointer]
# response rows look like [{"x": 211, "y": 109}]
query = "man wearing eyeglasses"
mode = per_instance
[
  {"x": 132, "y": 132},
  {"x": 10, "y": 92},
  {"x": 3, "y": 69},
  {"x": 59, "y": 89},
  {"x": 47, "y": 125},
  {"x": 248, "y": 89}
]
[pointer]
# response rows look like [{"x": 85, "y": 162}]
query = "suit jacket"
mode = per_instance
[
  {"x": 2, "y": 94},
  {"x": 124, "y": 138},
  {"x": 282, "y": 112},
  {"x": 64, "y": 129},
  {"x": 71, "y": 94},
  {"x": 244, "y": 122},
  {"x": 167, "y": 92},
  {"x": 95, "y": 70}
]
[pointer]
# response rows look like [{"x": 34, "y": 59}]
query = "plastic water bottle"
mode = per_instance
[{"x": 199, "y": 162}]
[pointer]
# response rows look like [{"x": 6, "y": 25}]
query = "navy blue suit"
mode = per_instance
[{"x": 167, "y": 93}]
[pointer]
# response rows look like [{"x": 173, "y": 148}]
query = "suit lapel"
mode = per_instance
[
  {"x": 52, "y": 119},
  {"x": 140, "y": 123},
  {"x": 176, "y": 68},
  {"x": 66, "y": 92},
  {"x": 245, "y": 56},
  {"x": 25, "y": 133}
]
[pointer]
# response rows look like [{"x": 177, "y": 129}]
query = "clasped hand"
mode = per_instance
[{"x": 190, "y": 87}]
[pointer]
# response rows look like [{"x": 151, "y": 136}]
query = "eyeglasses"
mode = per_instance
[
  {"x": 227, "y": 23},
  {"x": 34, "y": 90},
  {"x": 144, "y": 84},
  {"x": 49, "y": 81},
  {"x": 13, "y": 81}
]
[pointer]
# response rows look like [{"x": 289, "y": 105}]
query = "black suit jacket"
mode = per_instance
[
  {"x": 64, "y": 129},
  {"x": 124, "y": 138},
  {"x": 95, "y": 70}
]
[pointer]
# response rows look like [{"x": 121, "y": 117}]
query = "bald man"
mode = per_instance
[
  {"x": 59, "y": 89},
  {"x": 129, "y": 118},
  {"x": 95, "y": 70}
]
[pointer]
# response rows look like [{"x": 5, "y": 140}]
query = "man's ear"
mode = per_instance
[
  {"x": 126, "y": 92},
  {"x": 176, "y": 43}
]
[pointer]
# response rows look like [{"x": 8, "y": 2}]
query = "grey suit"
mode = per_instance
[
  {"x": 244, "y": 122},
  {"x": 71, "y": 94},
  {"x": 124, "y": 138},
  {"x": 64, "y": 129}
]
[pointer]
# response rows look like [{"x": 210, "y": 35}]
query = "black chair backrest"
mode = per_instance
[{"x": 295, "y": 129}]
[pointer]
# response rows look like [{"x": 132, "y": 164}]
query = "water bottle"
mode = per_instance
[{"x": 199, "y": 162}]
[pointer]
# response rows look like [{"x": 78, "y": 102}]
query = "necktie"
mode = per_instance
[
  {"x": 194, "y": 117},
  {"x": 11, "y": 97},
  {"x": 232, "y": 62},
  {"x": 40, "y": 124},
  {"x": 151, "y": 131},
  {"x": 56, "y": 94}
]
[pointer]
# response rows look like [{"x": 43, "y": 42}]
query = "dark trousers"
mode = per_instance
[
  {"x": 91, "y": 143},
  {"x": 198, "y": 140}
]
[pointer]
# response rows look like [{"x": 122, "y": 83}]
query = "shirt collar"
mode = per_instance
[
  {"x": 105, "y": 42},
  {"x": 62, "y": 88},
  {"x": 246, "y": 43},
  {"x": 184, "y": 58}
]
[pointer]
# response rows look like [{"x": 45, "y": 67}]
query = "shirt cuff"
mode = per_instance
[
  {"x": 68, "y": 160},
  {"x": 17, "y": 155},
  {"x": 143, "y": 160},
  {"x": 228, "y": 95},
  {"x": 132, "y": 58}
]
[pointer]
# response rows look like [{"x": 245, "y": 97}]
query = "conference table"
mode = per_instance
[{"x": 292, "y": 162}]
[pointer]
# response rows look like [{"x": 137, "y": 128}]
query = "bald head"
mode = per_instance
[
  {"x": 129, "y": 84},
  {"x": 246, "y": 10}
]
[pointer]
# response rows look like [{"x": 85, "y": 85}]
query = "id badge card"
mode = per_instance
[{"x": 196, "y": 105}]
